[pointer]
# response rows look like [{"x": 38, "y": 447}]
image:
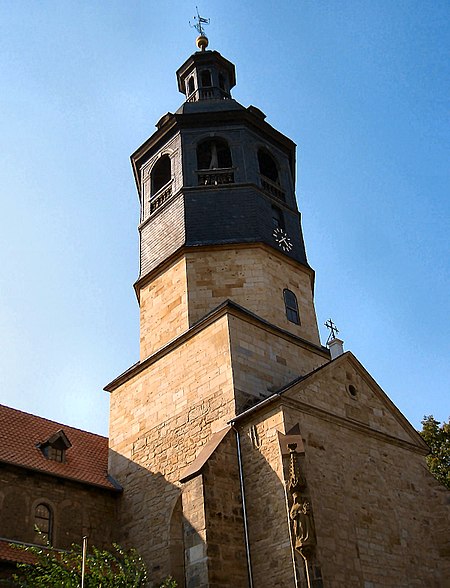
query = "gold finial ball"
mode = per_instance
[{"x": 202, "y": 42}]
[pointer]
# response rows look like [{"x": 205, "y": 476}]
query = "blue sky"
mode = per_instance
[{"x": 361, "y": 86}]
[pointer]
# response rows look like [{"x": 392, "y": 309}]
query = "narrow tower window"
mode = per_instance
[
  {"x": 191, "y": 86},
  {"x": 221, "y": 81},
  {"x": 161, "y": 174},
  {"x": 277, "y": 218},
  {"x": 291, "y": 306},
  {"x": 268, "y": 166},
  {"x": 213, "y": 154},
  {"x": 43, "y": 524},
  {"x": 206, "y": 78}
]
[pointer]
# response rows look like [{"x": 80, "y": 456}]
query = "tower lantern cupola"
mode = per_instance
[{"x": 206, "y": 75}]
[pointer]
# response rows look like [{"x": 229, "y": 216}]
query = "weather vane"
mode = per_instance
[
  {"x": 200, "y": 21},
  {"x": 333, "y": 330}
]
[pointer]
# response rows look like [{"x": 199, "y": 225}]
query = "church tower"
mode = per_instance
[{"x": 218, "y": 431}]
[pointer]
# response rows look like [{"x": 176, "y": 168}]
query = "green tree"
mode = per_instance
[
  {"x": 437, "y": 437},
  {"x": 62, "y": 569}
]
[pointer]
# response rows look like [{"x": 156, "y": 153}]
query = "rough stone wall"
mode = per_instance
[
  {"x": 264, "y": 361},
  {"x": 163, "y": 308},
  {"x": 198, "y": 282},
  {"x": 225, "y": 545},
  {"x": 254, "y": 278},
  {"x": 381, "y": 519},
  {"x": 270, "y": 547},
  {"x": 375, "y": 508},
  {"x": 77, "y": 509},
  {"x": 160, "y": 419},
  {"x": 194, "y": 523}
]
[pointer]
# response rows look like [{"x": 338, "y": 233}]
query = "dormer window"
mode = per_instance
[{"x": 56, "y": 446}]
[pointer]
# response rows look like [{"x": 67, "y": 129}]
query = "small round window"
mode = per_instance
[{"x": 352, "y": 391}]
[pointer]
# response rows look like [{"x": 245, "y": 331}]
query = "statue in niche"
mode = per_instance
[
  {"x": 303, "y": 525},
  {"x": 300, "y": 513}
]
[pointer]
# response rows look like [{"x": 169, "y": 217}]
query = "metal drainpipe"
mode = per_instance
[{"x": 244, "y": 509}]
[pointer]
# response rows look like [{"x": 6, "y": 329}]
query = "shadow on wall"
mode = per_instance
[{"x": 150, "y": 519}]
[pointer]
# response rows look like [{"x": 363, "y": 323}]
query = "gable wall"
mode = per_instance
[{"x": 375, "y": 506}]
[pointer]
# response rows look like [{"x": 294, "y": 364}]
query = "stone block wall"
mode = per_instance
[
  {"x": 160, "y": 419},
  {"x": 225, "y": 546},
  {"x": 381, "y": 519},
  {"x": 253, "y": 277},
  {"x": 198, "y": 281},
  {"x": 264, "y": 360},
  {"x": 77, "y": 509},
  {"x": 268, "y": 523},
  {"x": 163, "y": 308}
]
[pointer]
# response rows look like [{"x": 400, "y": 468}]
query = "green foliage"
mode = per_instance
[
  {"x": 438, "y": 440},
  {"x": 62, "y": 569},
  {"x": 168, "y": 583}
]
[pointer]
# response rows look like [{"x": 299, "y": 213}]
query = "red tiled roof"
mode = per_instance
[
  {"x": 86, "y": 460},
  {"x": 13, "y": 554}
]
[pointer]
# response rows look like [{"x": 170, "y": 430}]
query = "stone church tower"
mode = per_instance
[{"x": 250, "y": 457}]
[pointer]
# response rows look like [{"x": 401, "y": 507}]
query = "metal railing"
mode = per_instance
[
  {"x": 160, "y": 197},
  {"x": 215, "y": 177},
  {"x": 208, "y": 94},
  {"x": 272, "y": 188}
]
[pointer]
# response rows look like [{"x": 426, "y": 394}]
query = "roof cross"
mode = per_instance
[{"x": 333, "y": 330}]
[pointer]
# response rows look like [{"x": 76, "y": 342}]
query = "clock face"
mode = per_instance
[{"x": 282, "y": 239}]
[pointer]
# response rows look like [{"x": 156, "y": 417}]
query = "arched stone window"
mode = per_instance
[
  {"x": 43, "y": 524},
  {"x": 291, "y": 306},
  {"x": 205, "y": 77},
  {"x": 161, "y": 174},
  {"x": 268, "y": 166},
  {"x": 213, "y": 154}
]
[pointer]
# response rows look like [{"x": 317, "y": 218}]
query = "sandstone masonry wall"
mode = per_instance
[
  {"x": 270, "y": 545},
  {"x": 375, "y": 507},
  {"x": 254, "y": 278},
  {"x": 263, "y": 361},
  {"x": 163, "y": 308},
  {"x": 160, "y": 419},
  {"x": 77, "y": 509}
]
